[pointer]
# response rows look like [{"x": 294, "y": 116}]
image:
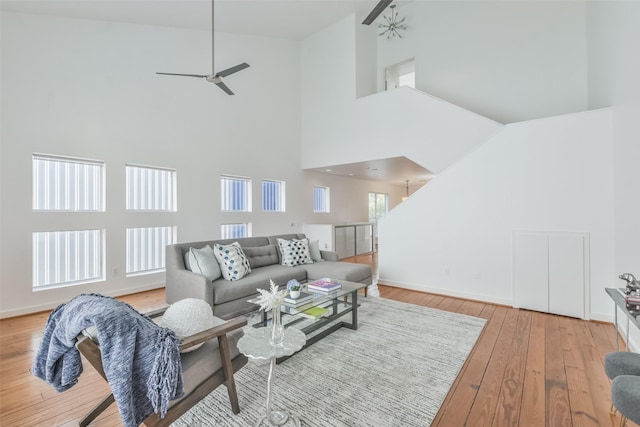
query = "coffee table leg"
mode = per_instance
[{"x": 354, "y": 309}]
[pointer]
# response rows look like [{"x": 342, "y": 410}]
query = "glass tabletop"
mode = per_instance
[
  {"x": 255, "y": 343},
  {"x": 317, "y": 298}
]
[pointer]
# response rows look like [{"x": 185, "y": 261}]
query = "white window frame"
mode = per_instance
[
  {"x": 324, "y": 205},
  {"x": 62, "y": 267},
  {"x": 58, "y": 184},
  {"x": 273, "y": 199},
  {"x": 150, "y": 242},
  {"x": 226, "y": 230},
  {"x": 227, "y": 193},
  {"x": 150, "y": 188}
]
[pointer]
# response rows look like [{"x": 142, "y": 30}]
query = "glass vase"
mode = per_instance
[{"x": 277, "y": 329}]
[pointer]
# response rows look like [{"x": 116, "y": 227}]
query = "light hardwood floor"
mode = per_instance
[{"x": 527, "y": 369}]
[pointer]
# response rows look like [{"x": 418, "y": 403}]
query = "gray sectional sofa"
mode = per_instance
[{"x": 263, "y": 253}]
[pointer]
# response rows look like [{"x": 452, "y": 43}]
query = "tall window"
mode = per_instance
[
  {"x": 146, "y": 249},
  {"x": 235, "y": 231},
  {"x": 378, "y": 205},
  {"x": 67, "y": 184},
  {"x": 235, "y": 194},
  {"x": 321, "y": 199},
  {"x": 273, "y": 196},
  {"x": 67, "y": 257},
  {"x": 71, "y": 256},
  {"x": 151, "y": 188}
]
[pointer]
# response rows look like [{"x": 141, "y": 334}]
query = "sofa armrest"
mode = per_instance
[
  {"x": 181, "y": 284},
  {"x": 329, "y": 255}
]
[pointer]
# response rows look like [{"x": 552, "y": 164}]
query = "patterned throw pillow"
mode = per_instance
[
  {"x": 295, "y": 252},
  {"x": 234, "y": 265}
]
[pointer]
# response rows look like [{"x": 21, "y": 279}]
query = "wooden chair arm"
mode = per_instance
[
  {"x": 216, "y": 331},
  {"x": 156, "y": 312}
]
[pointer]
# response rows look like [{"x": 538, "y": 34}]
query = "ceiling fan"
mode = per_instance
[
  {"x": 214, "y": 77},
  {"x": 377, "y": 10}
]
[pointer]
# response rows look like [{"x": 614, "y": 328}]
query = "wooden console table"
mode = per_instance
[{"x": 621, "y": 303}]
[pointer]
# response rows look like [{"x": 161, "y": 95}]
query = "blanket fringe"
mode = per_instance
[{"x": 163, "y": 381}]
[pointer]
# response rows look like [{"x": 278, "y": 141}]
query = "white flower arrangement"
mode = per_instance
[{"x": 269, "y": 299}]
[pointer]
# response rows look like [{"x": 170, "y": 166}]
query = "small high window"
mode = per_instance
[
  {"x": 235, "y": 231},
  {"x": 273, "y": 196},
  {"x": 67, "y": 258},
  {"x": 235, "y": 194},
  {"x": 67, "y": 184},
  {"x": 146, "y": 249},
  {"x": 151, "y": 188},
  {"x": 321, "y": 199}
]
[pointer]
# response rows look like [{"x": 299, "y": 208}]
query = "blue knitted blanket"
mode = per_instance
[{"x": 141, "y": 359}]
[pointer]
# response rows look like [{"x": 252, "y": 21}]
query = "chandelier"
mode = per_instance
[{"x": 392, "y": 25}]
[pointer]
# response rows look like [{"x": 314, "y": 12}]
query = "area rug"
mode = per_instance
[{"x": 395, "y": 370}]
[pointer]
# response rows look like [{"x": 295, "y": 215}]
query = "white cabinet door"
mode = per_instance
[
  {"x": 550, "y": 272},
  {"x": 566, "y": 274},
  {"x": 530, "y": 271}
]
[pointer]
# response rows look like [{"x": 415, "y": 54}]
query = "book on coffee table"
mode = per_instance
[
  {"x": 304, "y": 298},
  {"x": 323, "y": 285},
  {"x": 315, "y": 312}
]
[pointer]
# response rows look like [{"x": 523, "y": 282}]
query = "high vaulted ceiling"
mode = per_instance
[{"x": 294, "y": 19}]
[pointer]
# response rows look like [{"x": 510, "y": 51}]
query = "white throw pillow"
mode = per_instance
[
  {"x": 188, "y": 317},
  {"x": 234, "y": 264},
  {"x": 203, "y": 262},
  {"x": 314, "y": 250},
  {"x": 295, "y": 252}
]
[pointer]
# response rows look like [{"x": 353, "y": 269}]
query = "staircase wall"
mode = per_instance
[
  {"x": 337, "y": 128},
  {"x": 454, "y": 235}
]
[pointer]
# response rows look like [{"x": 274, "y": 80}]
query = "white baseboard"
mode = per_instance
[
  {"x": 53, "y": 304},
  {"x": 448, "y": 292},
  {"x": 607, "y": 318}
]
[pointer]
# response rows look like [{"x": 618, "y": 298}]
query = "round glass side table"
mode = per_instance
[{"x": 256, "y": 344}]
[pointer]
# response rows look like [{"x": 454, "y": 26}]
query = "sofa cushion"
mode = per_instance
[
  {"x": 314, "y": 250},
  {"x": 261, "y": 255},
  {"x": 225, "y": 291},
  {"x": 349, "y": 271},
  {"x": 202, "y": 261},
  {"x": 295, "y": 252},
  {"x": 234, "y": 264}
]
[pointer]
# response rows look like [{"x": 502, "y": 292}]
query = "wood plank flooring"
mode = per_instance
[{"x": 527, "y": 369}]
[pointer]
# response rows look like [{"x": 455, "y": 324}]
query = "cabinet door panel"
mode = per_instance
[
  {"x": 566, "y": 275},
  {"x": 345, "y": 241},
  {"x": 364, "y": 239},
  {"x": 530, "y": 271}
]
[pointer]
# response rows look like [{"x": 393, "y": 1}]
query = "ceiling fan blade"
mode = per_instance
[
  {"x": 228, "y": 71},
  {"x": 380, "y": 7},
  {"x": 186, "y": 75},
  {"x": 224, "y": 87}
]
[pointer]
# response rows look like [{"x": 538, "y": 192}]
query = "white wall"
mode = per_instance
[
  {"x": 366, "y": 58},
  {"x": 551, "y": 174},
  {"x": 337, "y": 128},
  {"x": 88, "y": 89},
  {"x": 509, "y": 61},
  {"x": 614, "y": 70}
]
